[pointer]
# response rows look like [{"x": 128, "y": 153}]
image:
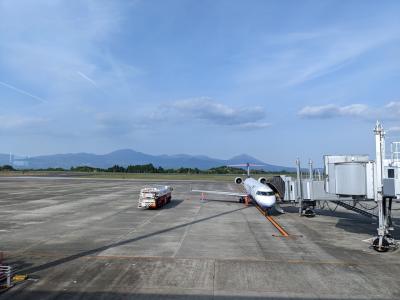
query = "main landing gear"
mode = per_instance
[{"x": 245, "y": 200}]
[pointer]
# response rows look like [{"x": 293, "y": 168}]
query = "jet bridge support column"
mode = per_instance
[
  {"x": 384, "y": 240},
  {"x": 311, "y": 178},
  {"x": 309, "y": 205},
  {"x": 299, "y": 187}
]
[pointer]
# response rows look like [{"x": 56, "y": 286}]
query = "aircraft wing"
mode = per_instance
[{"x": 220, "y": 193}]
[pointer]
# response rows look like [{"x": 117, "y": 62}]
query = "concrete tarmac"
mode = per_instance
[{"x": 86, "y": 239}]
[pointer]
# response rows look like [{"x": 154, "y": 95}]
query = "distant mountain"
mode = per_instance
[
  {"x": 125, "y": 157},
  {"x": 244, "y": 158}
]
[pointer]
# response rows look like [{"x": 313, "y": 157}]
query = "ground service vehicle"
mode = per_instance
[{"x": 154, "y": 196}]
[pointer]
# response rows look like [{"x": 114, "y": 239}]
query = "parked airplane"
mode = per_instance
[{"x": 257, "y": 190}]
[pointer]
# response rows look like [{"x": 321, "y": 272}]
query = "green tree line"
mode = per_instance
[{"x": 148, "y": 168}]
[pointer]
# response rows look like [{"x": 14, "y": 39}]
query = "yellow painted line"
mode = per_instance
[
  {"x": 282, "y": 231},
  {"x": 277, "y": 226}
]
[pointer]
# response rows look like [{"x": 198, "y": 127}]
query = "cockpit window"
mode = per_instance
[{"x": 261, "y": 193}]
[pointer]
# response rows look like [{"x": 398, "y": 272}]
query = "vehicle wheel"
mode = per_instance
[{"x": 383, "y": 248}]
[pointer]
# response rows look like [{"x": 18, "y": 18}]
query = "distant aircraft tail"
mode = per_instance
[{"x": 247, "y": 165}]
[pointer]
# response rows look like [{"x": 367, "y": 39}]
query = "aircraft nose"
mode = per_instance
[{"x": 269, "y": 201}]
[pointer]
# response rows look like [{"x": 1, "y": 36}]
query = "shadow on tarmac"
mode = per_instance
[
  {"x": 348, "y": 221},
  {"x": 218, "y": 200},
  {"x": 174, "y": 203},
  {"x": 120, "y": 243}
]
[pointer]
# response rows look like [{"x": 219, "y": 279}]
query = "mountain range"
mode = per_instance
[{"x": 127, "y": 157}]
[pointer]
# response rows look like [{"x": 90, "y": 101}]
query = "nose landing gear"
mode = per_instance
[
  {"x": 267, "y": 211},
  {"x": 381, "y": 244}
]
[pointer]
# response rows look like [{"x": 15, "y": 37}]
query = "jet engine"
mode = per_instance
[
  {"x": 238, "y": 180},
  {"x": 262, "y": 180}
]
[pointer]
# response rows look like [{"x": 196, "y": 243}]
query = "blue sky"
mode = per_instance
[{"x": 274, "y": 79}]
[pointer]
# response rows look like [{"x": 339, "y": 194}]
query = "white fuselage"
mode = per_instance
[{"x": 261, "y": 193}]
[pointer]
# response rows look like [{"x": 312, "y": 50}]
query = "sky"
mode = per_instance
[{"x": 274, "y": 79}]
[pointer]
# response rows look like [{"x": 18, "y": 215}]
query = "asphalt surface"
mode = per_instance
[{"x": 86, "y": 239}]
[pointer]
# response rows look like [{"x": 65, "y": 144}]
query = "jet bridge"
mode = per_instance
[
  {"x": 353, "y": 178},
  {"x": 349, "y": 175}
]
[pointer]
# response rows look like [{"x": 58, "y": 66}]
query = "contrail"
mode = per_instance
[
  {"x": 22, "y": 92},
  {"x": 87, "y": 78}
]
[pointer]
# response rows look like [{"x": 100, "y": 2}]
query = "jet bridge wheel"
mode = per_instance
[
  {"x": 383, "y": 248},
  {"x": 309, "y": 213}
]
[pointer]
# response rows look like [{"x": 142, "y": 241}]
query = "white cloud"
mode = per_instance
[
  {"x": 203, "y": 109},
  {"x": 332, "y": 110},
  {"x": 389, "y": 111},
  {"x": 59, "y": 54},
  {"x": 46, "y": 44},
  {"x": 16, "y": 123},
  {"x": 254, "y": 125},
  {"x": 217, "y": 113},
  {"x": 393, "y": 108},
  {"x": 393, "y": 129},
  {"x": 120, "y": 124},
  {"x": 310, "y": 55}
]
